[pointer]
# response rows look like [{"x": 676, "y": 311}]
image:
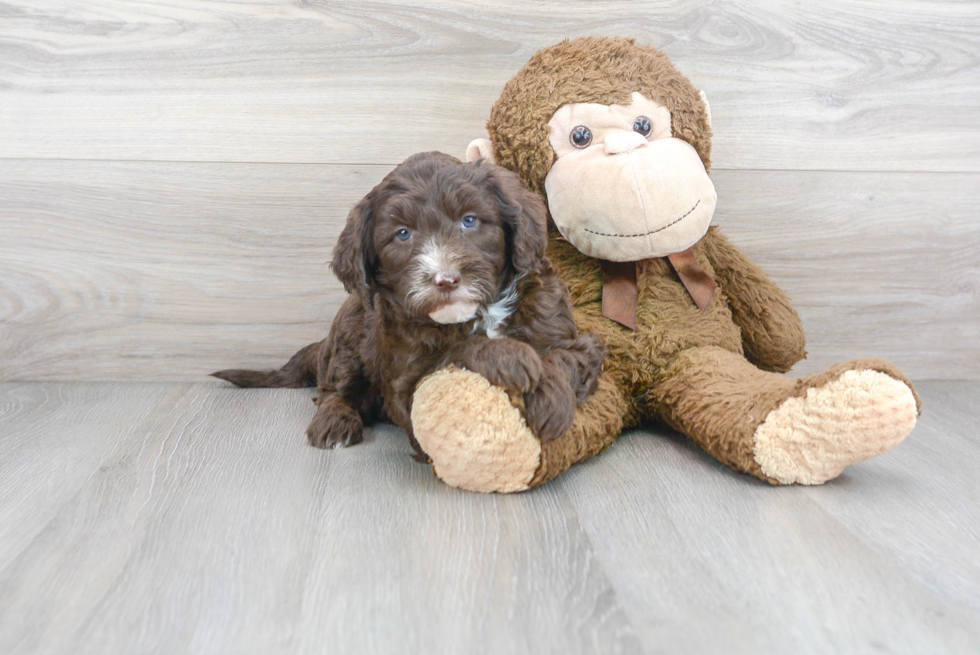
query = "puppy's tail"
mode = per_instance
[{"x": 299, "y": 371}]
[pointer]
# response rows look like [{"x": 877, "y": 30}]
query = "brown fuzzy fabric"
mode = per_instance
[
  {"x": 592, "y": 69},
  {"x": 719, "y": 399},
  {"x": 772, "y": 334},
  {"x": 707, "y": 373}
]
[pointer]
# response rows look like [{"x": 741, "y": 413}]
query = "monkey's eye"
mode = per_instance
[
  {"x": 469, "y": 221},
  {"x": 642, "y": 125},
  {"x": 403, "y": 234},
  {"x": 581, "y": 136}
]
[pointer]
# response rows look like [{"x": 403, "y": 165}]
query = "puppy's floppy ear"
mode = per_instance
[
  {"x": 355, "y": 259},
  {"x": 524, "y": 215}
]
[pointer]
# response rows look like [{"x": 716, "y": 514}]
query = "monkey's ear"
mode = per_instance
[
  {"x": 707, "y": 107},
  {"x": 525, "y": 218},
  {"x": 480, "y": 149},
  {"x": 354, "y": 257}
]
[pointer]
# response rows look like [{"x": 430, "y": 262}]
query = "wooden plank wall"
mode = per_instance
[{"x": 174, "y": 173}]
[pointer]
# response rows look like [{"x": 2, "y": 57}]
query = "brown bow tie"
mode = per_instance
[{"x": 619, "y": 291}]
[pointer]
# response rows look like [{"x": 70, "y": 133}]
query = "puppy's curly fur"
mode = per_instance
[{"x": 445, "y": 265}]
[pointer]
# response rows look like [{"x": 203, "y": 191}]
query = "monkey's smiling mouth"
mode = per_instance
[{"x": 644, "y": 234}]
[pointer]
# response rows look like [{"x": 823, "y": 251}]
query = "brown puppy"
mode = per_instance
[{"x": 445, "y": 265}]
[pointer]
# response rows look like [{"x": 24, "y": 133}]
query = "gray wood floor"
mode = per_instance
[{"x": 193, "y": 518}]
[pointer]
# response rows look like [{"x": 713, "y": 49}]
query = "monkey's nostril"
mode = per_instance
[{"x": 447, "y": 280}]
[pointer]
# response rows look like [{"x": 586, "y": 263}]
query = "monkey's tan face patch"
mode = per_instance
[{"x": 623, "y": 188}]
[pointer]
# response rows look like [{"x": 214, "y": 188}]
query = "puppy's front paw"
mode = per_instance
[
  {"x": 507, "y": 363},
  {"x": 550, "y": 408},
  {"x": 330, "y": 429}
]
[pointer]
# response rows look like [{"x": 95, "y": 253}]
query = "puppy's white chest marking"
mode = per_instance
[
  {"x": 457, "y": 312},
  {"x": 493, "y": 316}
]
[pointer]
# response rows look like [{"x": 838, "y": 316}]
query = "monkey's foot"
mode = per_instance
[
  {"x": 474, "y": 435},
  {"x": 855, "y": 415}
]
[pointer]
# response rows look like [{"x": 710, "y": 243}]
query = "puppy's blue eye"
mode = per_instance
[
  {"x": 469, "y": 220},
  {"x": 403, "y": 234}
]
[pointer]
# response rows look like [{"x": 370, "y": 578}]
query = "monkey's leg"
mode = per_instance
[
  {"x": 780, "y": 429},
  {"x": 477, "y": 439}
]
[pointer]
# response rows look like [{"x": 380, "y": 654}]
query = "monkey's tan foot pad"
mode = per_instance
[
  {"x": 812, "y": 438},
  {"x": 476, "y": 438}
]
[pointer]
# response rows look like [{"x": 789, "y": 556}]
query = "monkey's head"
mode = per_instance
[{"x": 617, "y": 140}]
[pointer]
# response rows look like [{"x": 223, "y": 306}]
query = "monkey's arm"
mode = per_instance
[{"x": 772, "y": 333}]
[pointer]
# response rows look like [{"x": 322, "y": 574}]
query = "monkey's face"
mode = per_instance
[{"x": 623, "y": 188}]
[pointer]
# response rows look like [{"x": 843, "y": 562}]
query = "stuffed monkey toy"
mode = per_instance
[{"x": 618, "y": 143}]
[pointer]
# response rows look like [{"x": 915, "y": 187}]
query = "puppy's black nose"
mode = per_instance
[{"x": 446, "y": 280}]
